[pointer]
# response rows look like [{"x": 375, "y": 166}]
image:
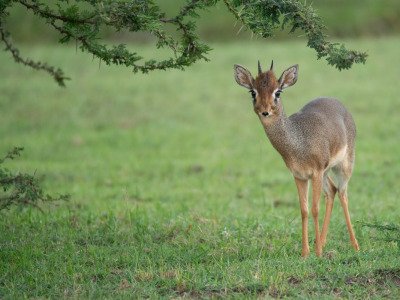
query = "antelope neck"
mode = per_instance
[{"x": 284, "y": 136}]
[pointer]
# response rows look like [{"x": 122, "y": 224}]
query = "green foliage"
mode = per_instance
[
  {"x": 344, "y": 19},
  {"x": 81, "y": 21},
  {"x": 263, "y": 17},
  {"x": 21, "y": 189}
]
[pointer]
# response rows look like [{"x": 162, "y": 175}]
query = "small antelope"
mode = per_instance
[{"x": 318, "y": 138}]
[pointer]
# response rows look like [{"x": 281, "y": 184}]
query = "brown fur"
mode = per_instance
[
  {"x": 266, "y": 83},
  {"x": 318, "y": 138}
]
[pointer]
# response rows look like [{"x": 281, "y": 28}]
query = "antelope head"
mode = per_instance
[{"x": 266, "y": 89}]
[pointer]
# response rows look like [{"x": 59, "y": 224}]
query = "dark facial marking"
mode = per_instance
[{"x": 253, "y": 95}]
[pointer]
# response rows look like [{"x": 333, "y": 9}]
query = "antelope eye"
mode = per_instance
[
  {"x": 278, "y": 93},
  {"x": 253, "y": 95}
]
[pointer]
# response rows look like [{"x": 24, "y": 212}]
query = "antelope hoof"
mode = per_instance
[{"x": 355, "y": 245}]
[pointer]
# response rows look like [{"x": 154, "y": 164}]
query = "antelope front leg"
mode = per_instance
[
  {"x": 316, "y": 195},
  {"x": 302, "y": 189}
]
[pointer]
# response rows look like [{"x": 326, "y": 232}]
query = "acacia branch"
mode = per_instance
[
  {"x": 56, "y": 73},
  {"x": 21, "y": 189},
  {"x": 261, "y": 17},
  {"x": 48, "y": 14}
]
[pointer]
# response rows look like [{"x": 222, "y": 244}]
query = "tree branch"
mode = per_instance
[
  {"x": 261, "y": 17},
  {"x": 48, "y": 14},
  {"x": 21, "y": 189},
  {"x": 57, "y": 74}
]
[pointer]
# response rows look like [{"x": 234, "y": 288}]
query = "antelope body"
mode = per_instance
[{"x": 318, "y": 138}]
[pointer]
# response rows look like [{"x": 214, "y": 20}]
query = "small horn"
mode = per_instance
[
  {"x": 272, "y": 65},
  {"x": 259, "y": 68}
]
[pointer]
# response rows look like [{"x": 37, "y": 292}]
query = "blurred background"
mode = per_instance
[{"x": 343, "y": 18}]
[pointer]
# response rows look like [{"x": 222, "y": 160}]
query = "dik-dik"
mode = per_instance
[{"x": 318, "y": 138}]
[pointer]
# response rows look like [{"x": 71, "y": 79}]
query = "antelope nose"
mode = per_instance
[{"x": 265, "y": 113}]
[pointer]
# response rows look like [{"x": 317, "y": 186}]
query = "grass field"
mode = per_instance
[{"x": 176, "y": 191}]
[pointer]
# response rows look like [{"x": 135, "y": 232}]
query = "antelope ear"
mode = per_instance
[
  {"x": 243, "y": 77},
  {"x": 289, "y": 77}
]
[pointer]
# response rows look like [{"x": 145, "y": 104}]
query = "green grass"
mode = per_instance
[{"x": 176, "y": 190}]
